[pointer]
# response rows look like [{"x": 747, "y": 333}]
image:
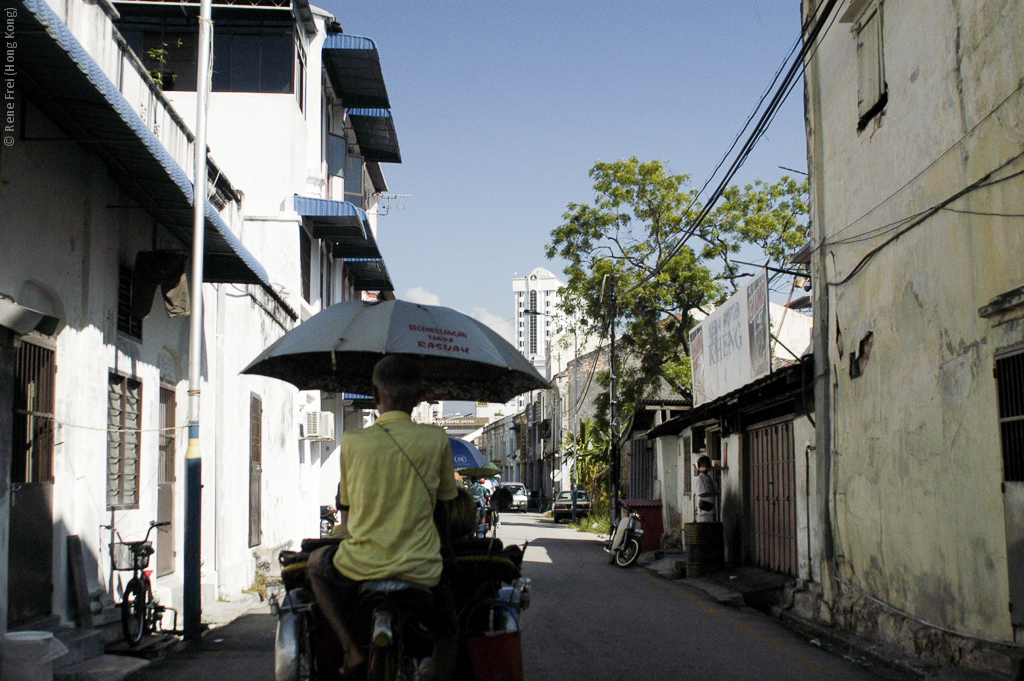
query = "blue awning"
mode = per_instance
[
  {"x": 65, "y": 83},
  {"x": 353, "y": 67},
  {"x": 375, "y": 132},
  {"x": 369, "y": 274},
  {"x": 342, "y": 223}
]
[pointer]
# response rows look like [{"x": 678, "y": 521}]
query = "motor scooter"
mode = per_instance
[
  {"x": 623, "y": 546},
  {"x": 489, "y": 591}
]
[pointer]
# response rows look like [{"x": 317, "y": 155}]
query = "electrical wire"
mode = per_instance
[
  {"x": 812, "y": 30},
  {"x": 923, "y": 216}
]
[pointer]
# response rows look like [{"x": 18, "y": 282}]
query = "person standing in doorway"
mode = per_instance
[{"x": 706, "y": 493}]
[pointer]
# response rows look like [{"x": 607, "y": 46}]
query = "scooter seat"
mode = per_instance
[{"x": 410, "y": 595}]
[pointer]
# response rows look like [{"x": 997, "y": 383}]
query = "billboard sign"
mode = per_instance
[{"x": 731, "y": 347}]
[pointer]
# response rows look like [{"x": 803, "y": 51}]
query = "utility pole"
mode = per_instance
[
  {"x": 575, "y": 420},
  {"x": 613, "y": 449},
  {"x": 193, "y": 605}
]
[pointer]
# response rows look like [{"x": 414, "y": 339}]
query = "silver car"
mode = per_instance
[{"x": 520, "y": 495}]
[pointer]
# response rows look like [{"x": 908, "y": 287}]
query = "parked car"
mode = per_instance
[
  {"x": 562, "y": 508},
  {"x": 520, "y": 495}
]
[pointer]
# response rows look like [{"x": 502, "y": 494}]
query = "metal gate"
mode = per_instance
[
  {"x": 30, "y": 565},
  {"x": 771, "y": 495}
]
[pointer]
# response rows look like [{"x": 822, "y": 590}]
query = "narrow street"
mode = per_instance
[
  {"x": 588, "y": 621},
  {"x": 591, "y": 620}
]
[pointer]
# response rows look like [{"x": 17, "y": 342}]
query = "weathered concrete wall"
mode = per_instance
[{"x": 916, "y": 460}]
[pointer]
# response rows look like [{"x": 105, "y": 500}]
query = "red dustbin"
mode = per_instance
[{"x": 650, "y": 519}]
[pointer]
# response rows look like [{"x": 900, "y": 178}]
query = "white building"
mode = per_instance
[
  {"x": 536, "y": 319},
  {"x": 96, "y": 193}
]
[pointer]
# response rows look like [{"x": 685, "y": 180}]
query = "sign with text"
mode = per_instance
[{"x": 731, "y": 348}]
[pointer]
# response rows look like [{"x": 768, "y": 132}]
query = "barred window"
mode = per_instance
[
  {"x": 127, "y": 323},
  {"x": 1010, "y": 386},
  {"x": 124, "y": 412}
]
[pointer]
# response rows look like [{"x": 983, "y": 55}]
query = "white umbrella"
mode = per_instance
[{"x": 336, "y": 350}]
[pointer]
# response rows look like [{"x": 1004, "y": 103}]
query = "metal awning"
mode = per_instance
[
  {"x": 342, "y": 223},
  {"x": 369, "y": 274},
  {"x": 353, "y": 67},
  {"x": 67, "y": 85},
  {"x": 22, "y": 320},
  {"x": 375, "y": 132}
]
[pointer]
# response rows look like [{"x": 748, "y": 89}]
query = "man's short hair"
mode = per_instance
[
  {"x": 704, "y": 461},
  {"x": 399, "y": 377}
]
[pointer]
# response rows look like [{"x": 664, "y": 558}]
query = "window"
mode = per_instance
[
  {"x": 354, "y": 180},
  {"x": 872, "y": 94},
  {"x": 1010, "y": 387},
  {"x": 336, "y": 145},
  {"x": 305, "y": 262},
  {"x": 124, "y": 406},
  {"x": 300, "y": 79},
  {"x": 165, "y": 482},
  {"x": 255, "y": 467},
  {"x": 34, "y": 373},
  {"x": 127, "y": 323},
  {"x": 250, "y": 54},
  {"x": 326, "y": 278}
]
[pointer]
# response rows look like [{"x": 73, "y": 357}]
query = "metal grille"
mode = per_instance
[
  {"x": 305, "y": 262},
  {"x": 641, "y": 470},
  {"x": 771, "y": 476},
  {"x": 124, "y": 407},
  {"x": 1010, "y": 385},
  {"x": 34, "y": 373},
  {"x": 127, "y": 323},
  {"x": 255, "y": 467},
  {"x": 687, "y": 463}
]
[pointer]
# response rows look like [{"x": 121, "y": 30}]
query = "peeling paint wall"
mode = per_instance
[{"x": 915, "y": 232}]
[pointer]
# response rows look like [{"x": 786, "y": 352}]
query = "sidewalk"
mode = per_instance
[
  {"x": 741, "y": 587},
  {"x": 240, "y": 638}
]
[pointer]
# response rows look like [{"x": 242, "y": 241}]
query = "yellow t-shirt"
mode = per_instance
[{"x": 391, "y": 511}]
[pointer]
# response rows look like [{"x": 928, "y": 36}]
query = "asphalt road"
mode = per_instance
[
  {"x": 592, "y": 621},
  {"x": 588, "y": 621}
]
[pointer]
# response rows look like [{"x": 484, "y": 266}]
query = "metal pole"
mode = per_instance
[
  {"x": 613, "y": 449},
  {"x": 575, "y": 429},
  {"x": 193, "y": 460}
]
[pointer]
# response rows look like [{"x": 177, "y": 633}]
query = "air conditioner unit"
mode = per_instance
[{"x": 319, "y": 425}]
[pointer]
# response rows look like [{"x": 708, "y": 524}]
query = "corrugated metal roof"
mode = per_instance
[
  {"x": 375, "y": 132},
  {"x": 353, "y": 67}
]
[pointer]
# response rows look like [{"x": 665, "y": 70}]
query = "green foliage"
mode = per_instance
[
  {"x": 635, "y": 237},
  {"x": 160, "y": 56},
  {"x": 587, "y": 451}
]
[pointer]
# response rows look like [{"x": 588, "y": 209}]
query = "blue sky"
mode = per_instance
[{"x": 501, "y": 109}]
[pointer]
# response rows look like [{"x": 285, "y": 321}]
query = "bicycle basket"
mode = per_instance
[{"x": 130, "y": 555}]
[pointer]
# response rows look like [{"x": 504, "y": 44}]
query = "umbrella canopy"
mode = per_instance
[
  {"x": 488, "y": 470},
  {"x": 336, "y": 350},
  {"x": 466, "y": 455}
]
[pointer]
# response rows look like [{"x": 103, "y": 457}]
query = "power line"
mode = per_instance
[{"x": 814, "y": 28}]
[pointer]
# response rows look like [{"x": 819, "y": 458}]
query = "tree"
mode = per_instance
[
  {"x": 588, "y": 452},
  {"x": 637, "y": 237}
]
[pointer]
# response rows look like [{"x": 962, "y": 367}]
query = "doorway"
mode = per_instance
[{"x": 30, "y": 562}]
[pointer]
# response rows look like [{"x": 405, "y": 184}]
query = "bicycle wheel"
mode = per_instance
[
  {"x": 133, "y": 612},
  {"x": 293, "y": 653}
]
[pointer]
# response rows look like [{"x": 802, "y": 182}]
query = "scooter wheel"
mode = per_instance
[{"x": 628, "y": 554}]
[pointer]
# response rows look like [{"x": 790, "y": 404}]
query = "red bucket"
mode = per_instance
[
  {"x": 495, "y": 650},
  {"x": 496, "y": 657}
]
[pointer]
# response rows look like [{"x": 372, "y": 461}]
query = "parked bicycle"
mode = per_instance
[{"x": 141, "y": 614}]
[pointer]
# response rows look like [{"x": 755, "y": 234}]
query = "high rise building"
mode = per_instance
[{"x": 536, "y": 307}]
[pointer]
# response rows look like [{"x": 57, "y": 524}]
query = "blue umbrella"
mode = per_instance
[{"x": 466, "y": 455}]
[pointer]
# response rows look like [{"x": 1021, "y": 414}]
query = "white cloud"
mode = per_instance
[
  {"x": 418, "y": 294},
  {"x": 504, "y": 327}
]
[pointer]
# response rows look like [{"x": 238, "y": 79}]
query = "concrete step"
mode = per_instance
[
  {"x": 100, "y": 668},
  {"x": 82, "y": 644}
]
